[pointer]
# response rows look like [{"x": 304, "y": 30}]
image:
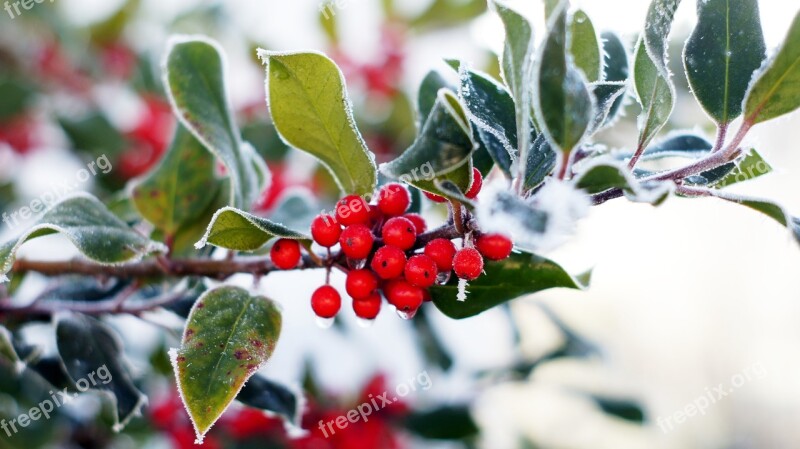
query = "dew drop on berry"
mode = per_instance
[
  {"x": 406, "y": 315},
  {"x": 443, "y": 277},
  {"x": 356, "y": 264},
  {"x": 324, "y": 323}
]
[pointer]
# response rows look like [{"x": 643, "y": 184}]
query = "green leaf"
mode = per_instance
[
  {"x": 182, "y": 186},
  {"x": 442, "y": 150},
  {"x": 237, "y": 230},
  {"x": 775, "y": 90},
  {"x": 749, "y": 166},
  {"x": 429, "y": 93},
  {"x": 7, "y": 351},
  {"x": 657, "y": 27},
  {"x": 517, "y": 52},
  {"x": 491, "y": 109},
  {"x": 768, "y": 208},
  {"x": 584, "y": 46},
  {"x": 521, "y": 274},
  {"x": 562, "y": 101},
  {"x": 92, "y": 354},
  {"x": 725, "y": 49},
  {"x": 16, "y": 96},
  {"x": 296, "y": 210},
  {"x": 229, "y": 335},
  {"x": 195, "y": 79},
  {"x": 264, "y": 394},
  {"x": 617, "y": 66},
  {"x": 607, "y": 97},
  {"x": 541, "y": 161},
  {"x": 550, "y": 7},
  {"x": 679, "y": 145},
  {"x": 601, "y": 175},
  {"x": 94, "y": 230},
  {"x": 655, "y": 94},
  {"x": 311, "y": 111}
]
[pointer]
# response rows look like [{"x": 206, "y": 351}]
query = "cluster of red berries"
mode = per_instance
[{"x": 381, "y": 240}]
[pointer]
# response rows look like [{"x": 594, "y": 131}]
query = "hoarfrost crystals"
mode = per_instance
[{"x": 462, "y": 290}]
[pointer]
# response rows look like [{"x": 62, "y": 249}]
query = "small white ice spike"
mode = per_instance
[{"x": 462, "y": 290}]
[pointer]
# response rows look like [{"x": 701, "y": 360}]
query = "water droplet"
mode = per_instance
[
  {"x": 324, "y": 323},
  {"x": 364, "y": 322},
  {"x": 443, "y": 277},
  {"x": 356, "y": 264},
  {"x": 406, "y": 315}
]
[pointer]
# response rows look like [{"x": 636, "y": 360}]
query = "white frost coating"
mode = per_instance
[
  {"x": 204, "y": 240},
  {"x": 173, "y": 358},
  {"x": 462, "y": 290},
  {"x": 463, "y": 93},
  {"x": 562, "y": 204},
  {"x": 265, "y": 55}
]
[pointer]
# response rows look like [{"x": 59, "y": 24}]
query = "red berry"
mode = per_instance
[
  {"x": 477, "y": 184},
  {"x": 325, "y": 230},
  {"x": 369, "y": 307},
  {"x": 389, "y": 262},
  {"x": 393, "y": 199},
  {"x": 419, "y": 222},
  {"x": 399, "y": 232},
  {"x": 351, "y": 210},
  {"x": 361, "y": 283},
  {"x": 356, "y": 241},
  {"x": 326, "y": 302},
  {"x": 426, "y": 295},
  {"x": 421, "y": 271},
  {"x": 375, "y": 215},
  {"x": 468, "y": 264},
  {"x": 494, "y": 246},
  {"x": 403, "y": 295},
  {"x": 285, "y": 254},
  {"x": 442, "y": 252},
  {"x": 435, "y": 198}
]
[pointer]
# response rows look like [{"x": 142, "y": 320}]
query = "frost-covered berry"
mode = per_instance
[
  {"x": 399, "y": 232},
  {"x": 477, "y": 184},
  {"x": 468, "y": 264},
  {"x": 285, "y": 254},
  {"x": 494, "y": 246},
  {"x": 326, "y": 302},
  {"x": 325, "y": 230},
  {"x": 361, "y": 283},
  {"x": 393, "y": 199},
  {"x": 442, "y": 252},
  {"x": 388, "y": 262},
  {"x": 356, "y": 241},
  {"x": 421, "y": 271},
  {"x": 352, "y": 210},
  {"x": 435, "y": 198},
  {"x": 419, "y": 222}
]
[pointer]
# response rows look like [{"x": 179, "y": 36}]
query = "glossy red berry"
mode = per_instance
[
  {"x": 356, "y": 241},
  {"x": 419, "y": 222},
  {"x": 399, "y": 232},
  {"x": 442, "y": 252},
  {"x": 325, "y": 230},
  {"x": 403, "y": 295},
  {"x": 494, "y": 246},
  {"x": 477, "y": 184},
  {"x": 389, "y": 262},
  {"x": 369, "y": 307},
  {"x": 285, "y": 254},
  {"x": 361, "y": 283},
  {"x": 351, "y": 210},
  {"x": 393, "y": 199},
  {"x": 326, "y": 302},
  {"x": 435, "y": 198},
  {"x": 468, "y": 264},
  {"x": 421, "y": 271}
]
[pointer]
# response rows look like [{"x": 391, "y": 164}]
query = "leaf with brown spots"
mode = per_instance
[{"x": 228, "y": 336}]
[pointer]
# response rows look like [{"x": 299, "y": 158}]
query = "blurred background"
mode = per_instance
[{"x": 691, "y": 299}]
